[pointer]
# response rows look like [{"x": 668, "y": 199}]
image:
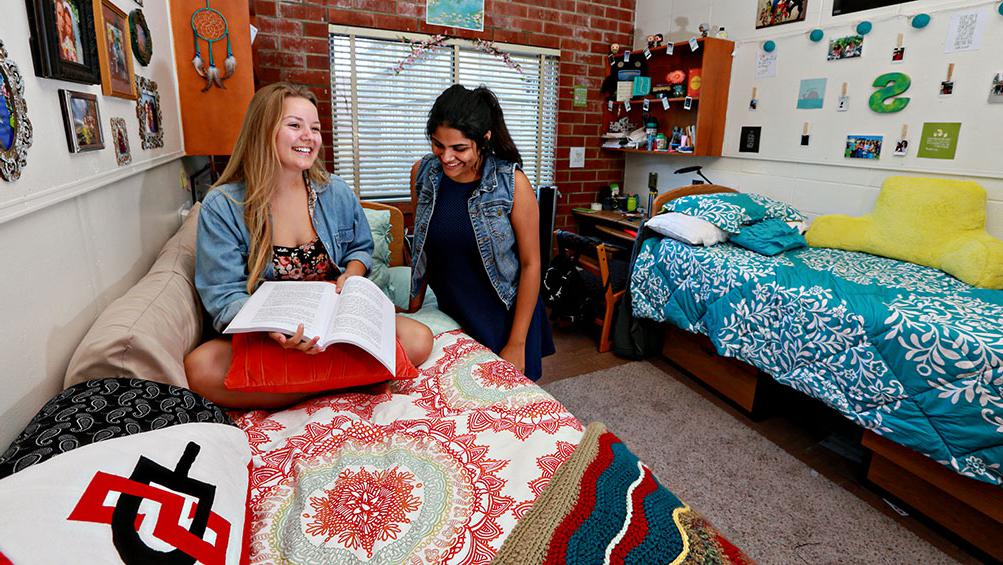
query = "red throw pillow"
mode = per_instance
[{"x": 260, "y": 364}]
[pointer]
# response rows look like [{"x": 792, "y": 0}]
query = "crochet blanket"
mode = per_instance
[{"x": 604, "y": 506}]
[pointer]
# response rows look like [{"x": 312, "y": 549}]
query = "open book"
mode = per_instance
[{"x": 361, "y": 315}]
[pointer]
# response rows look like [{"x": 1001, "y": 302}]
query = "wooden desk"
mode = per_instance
[{"x": 608, "y": 226}]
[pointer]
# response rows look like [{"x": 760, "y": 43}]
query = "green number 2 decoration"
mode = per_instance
[{"x": 889, "y": 86}]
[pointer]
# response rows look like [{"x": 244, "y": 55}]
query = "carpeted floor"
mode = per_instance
[{"x": 776, "y": 508}]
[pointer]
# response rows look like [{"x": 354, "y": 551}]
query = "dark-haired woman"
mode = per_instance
[{"x": 477, "y": 229}]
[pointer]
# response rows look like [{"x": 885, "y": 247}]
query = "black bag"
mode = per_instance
[
  {"x": 567, "y": 292},
  {"x": 634, "y": 338}
]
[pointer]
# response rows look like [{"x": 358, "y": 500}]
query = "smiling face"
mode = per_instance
[
  {"x": 460, "y": 157},
  {"x": 297, "y": 141}
]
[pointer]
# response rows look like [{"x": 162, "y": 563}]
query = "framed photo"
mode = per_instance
[
  {"x": 840, "y": 7},
  {"x": 846, "y": 47},
  {"x": 15, "y": 127},
  {"x": 63, "y": 43},
  {"x": 996, "y": 89},
  {"x": 114, "y": 40},
  {"x": 82, "y": 121},
  {"x": 120, "y": 141},
  {"x": 863, "y": 147},
  {"x": 142, "y": 44},
  {"x": 148, "y": 113},
  {"x": 749, "y": 142},
  {"x": 777, "y": 12}
]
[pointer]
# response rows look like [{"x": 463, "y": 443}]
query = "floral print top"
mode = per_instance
[{"x": 308, "y": 262}]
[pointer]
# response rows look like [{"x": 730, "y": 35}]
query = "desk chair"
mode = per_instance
[{"x": 606, "y": 262}]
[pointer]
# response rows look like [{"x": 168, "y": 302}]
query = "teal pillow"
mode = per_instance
[
  {"x": 775, "y": 209},
  {"x": 769, "y": 237},
  {"x": 732, "y": 210},
  {"x": 728, "y": 211},
  {"x": 379, "y": 224}
]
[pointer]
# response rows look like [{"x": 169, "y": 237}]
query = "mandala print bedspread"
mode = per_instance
[
  {"x": 906, "y": 351},
  {"x": 437, "y": 471}
]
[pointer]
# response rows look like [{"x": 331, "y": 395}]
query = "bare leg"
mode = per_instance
[
  {"x": 416, "y": 339},
  {"x": 206, "y": 368}
]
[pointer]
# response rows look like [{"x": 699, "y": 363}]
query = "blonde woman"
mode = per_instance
[{"x": 275, "y": 214}]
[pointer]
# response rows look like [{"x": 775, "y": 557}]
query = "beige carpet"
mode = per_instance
[{"x": 774, "y": 507}]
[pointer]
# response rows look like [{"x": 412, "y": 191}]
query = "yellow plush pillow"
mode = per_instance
[{"x": 934, "y": 222}]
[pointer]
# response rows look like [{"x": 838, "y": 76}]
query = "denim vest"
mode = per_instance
[
  {"x": 223, "y": 243},
  {"x": 489, "y": 207}
]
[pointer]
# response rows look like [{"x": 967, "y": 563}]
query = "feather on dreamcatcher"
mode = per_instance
[{"x": 210, "y": 26}]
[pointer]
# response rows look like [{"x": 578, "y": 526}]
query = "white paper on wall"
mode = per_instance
[
  {"x": 965, "y": 33},
  {"x": 766, "y": 64}
]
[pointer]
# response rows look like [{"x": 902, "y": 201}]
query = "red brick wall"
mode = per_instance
[{"x": 292, "y": 45}]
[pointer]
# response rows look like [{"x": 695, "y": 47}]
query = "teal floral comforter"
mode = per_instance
[{"x": 906, "y": 351}]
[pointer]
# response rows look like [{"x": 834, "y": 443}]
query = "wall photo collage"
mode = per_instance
[
  {"x": 892, "y": 90},
  {"x": 87, "y": 42}
]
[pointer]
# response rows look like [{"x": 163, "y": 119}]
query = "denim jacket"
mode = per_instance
[
  {"x": 223, "y": 243},
  {"x": 489, "y": 207}
]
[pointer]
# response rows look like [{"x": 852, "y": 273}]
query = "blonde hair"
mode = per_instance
[{"x": 255, "y": 162}]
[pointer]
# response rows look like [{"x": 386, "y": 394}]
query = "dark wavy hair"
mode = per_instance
[{"x": 474, "y": 113}]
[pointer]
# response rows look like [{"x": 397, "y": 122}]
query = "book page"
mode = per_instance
[
  {"x": 364, "y": 317},
  {"x": 280, "y": 306}
]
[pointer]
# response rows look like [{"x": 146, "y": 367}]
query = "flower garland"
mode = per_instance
[
  {"x": 419, "y": 49},
  {"x": 489, "y": 48}
]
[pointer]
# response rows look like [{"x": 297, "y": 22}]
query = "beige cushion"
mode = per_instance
[{"x": 147, "y": 332}]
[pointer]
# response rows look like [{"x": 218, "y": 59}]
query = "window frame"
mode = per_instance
[{"x": 456, "y": 44}]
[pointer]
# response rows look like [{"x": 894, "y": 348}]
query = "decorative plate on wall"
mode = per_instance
[
  {"x": 142, "y": 44},
  {"x": 15, "y": 127}
]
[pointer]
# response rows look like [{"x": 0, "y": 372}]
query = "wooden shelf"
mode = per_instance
[
  {"x": 709, "y": 108},
  {"x": 656, "y": 99},
  {"x": 631, "y": 150}
]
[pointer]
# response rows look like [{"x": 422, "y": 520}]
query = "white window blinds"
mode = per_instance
[{"x": 379, "y": 117}]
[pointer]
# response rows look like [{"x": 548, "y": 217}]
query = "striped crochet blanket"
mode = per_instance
[{"x": 604, "y": 506}]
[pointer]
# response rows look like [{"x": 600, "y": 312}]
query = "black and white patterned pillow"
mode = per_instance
[{"x": 102, "y": 409}]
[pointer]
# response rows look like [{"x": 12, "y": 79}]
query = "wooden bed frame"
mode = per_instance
[
  {"x": 971, "y": 509},
  {"x": 396, "y": 231}
]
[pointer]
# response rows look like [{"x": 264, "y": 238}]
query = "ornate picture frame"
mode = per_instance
[
  {"x": 114, "y": 51},
  {"x": 15, "y": 127},
  {"x": 142, "y": 43},
  {"x": 81, "y": 121},
  {"x": 151, "y": 121},
  {"x": 63, "y": 40},
  {"x": 120, "y": 141}
]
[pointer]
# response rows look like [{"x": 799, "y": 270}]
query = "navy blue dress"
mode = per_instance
[{"x": 456, "y": 274}]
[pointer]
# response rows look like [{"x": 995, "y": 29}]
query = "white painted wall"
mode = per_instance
[
  {"x": 76, "y": 230},
  {"x": 817, "y": 178}
]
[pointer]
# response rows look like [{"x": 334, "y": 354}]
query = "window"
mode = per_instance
[{"x": 379, "y": 116}]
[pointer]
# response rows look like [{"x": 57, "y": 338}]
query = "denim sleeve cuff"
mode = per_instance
[
  {"x": 361, "y": 256},
  {"x": 227, "y": 314}
]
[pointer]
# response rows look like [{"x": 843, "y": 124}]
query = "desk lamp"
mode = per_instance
[{"x": 694, "y": 169}]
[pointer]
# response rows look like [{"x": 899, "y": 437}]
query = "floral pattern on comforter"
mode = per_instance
[
  {"x": 439, "y": 469},
  {"x": 904, "y": 350}
]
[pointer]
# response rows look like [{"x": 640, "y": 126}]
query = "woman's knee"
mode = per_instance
[
  {"x": 206, "y": 367},
  {"x": 416, "y": 338}
]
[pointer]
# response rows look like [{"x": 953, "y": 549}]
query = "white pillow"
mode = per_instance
[{"x": 687, "y": 229}]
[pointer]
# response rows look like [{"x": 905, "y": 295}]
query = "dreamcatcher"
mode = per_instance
[{"x": 210, "y": 26}]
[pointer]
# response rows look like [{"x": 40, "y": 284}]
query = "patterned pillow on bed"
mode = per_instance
[
  {"x": 126, "y": 470},
  {"x": 172, "y": 495},
  {"x": 732, "y": 210},
  {"x": 102, "y": 409}
]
